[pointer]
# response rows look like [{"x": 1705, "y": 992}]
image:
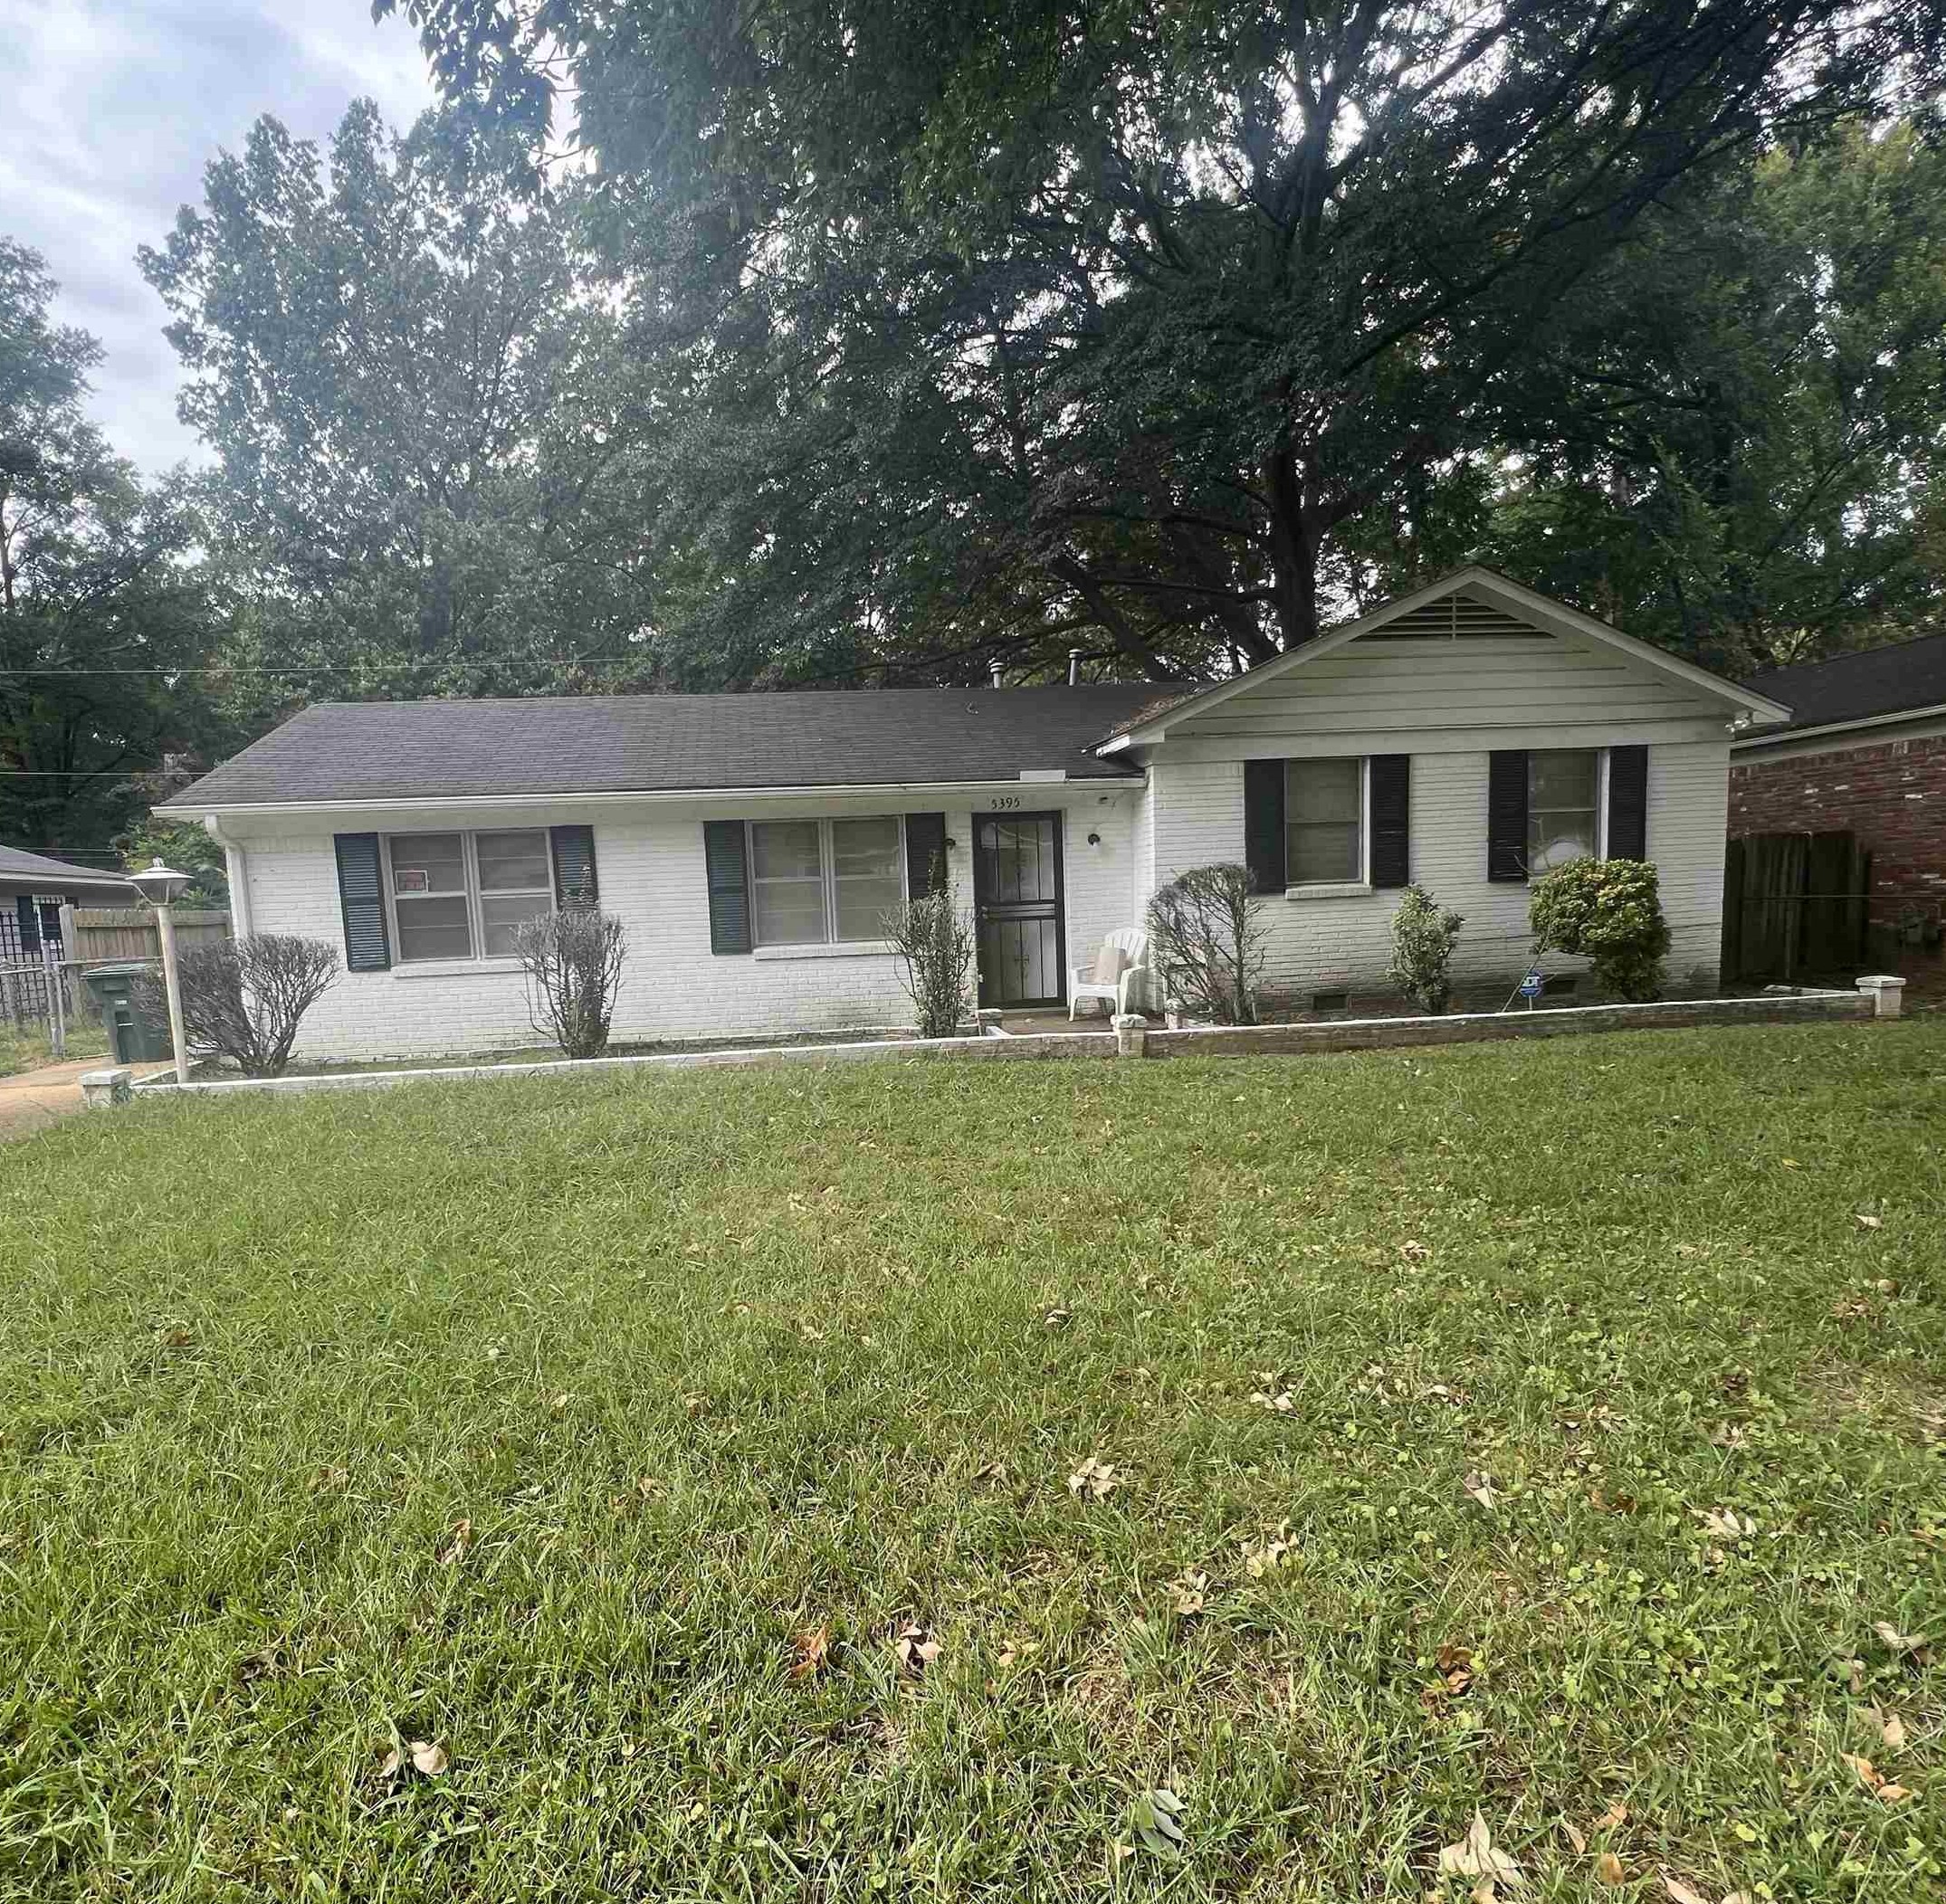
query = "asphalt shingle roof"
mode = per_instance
[
  {"x": 17, "y": 863},
  {"x": 438, "y": 750},
  {"x": 1857, "y": 687}
]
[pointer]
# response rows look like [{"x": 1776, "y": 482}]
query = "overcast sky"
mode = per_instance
[{"x": 108, "y": 111}]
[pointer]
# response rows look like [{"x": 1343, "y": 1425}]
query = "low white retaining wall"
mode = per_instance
[{"x": 1874, "y": 998}]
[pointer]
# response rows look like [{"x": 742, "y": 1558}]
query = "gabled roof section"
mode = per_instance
[
  {"x": 364, "y": 752},
  {"x": 1471, "y": 604},
  {"x": 1873, "y": 684}
]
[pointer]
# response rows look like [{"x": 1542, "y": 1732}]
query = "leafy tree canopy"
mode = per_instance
[
  {"x": 104, "y": 620},
  {"x": 428, "y": 481},
  {"x": 991, "y": 327}
]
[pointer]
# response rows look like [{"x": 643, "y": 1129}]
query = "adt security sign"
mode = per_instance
[{"x": 1530, "y": 986}]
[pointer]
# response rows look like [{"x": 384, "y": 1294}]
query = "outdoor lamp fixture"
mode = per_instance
[{"x": 162, "y": 887}]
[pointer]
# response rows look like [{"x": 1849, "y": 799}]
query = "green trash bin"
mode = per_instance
[{"x": 133, "y": 1036}]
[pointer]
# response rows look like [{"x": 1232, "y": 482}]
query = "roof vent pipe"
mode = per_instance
[
  {"x": 993, "y": 667},
  {"x": 1073, "y": 667}
]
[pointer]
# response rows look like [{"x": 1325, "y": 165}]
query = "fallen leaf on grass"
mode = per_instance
[
  {"x": 811, "y": 1652},
  {"x": 389, "y": 1766},
  {"x": 1479, "y": 1488},
  {"x": 430, "y": 1756},
  {"x": 328, "y": 1480},
  {"x": 1155, "y": 1823},
  {"x": 1476, "y": 1856},
  {"x": 1057, "y": 1318},
  {"x": 1869, "y": 1222},
  {"x": 1575, "y": 1836},
  {"x": 1608, "y": 1869},
  {"x": 1282, "y": 1403},
  {"x": 916, "y": 1648},
  {"x": 173, "y": 1336},
  {"x": 1188, "y": 1592},
  {"x": 1260, "y": 1557},
  {"x": 1873, "y": 1780},
  {"x": 1725, "y": 1523},
  {"x": 1611, "y": 1820},
  {"x": 1891, "y": 1728},
  {"x": 1682, "y": 1893},
  {"x": 1092, "y": 1480},
  {"x": 1898, "y": 1641},
  {"x": 457, "y": 1543}
]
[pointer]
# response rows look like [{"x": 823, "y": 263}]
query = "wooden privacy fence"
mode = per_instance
[
  {"x": 129, "y": 932},
  {"x": 1795, "y": 903}
]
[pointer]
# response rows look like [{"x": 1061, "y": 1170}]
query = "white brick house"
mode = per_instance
[{"x": 1455, "y": 738}]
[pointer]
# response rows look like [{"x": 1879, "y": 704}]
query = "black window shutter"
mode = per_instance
[
  {"x": 575, "y": 888},
  {"x": 30, "y": 923},
  {"x": 730, "y": 889},
  {"x": 1506, "y": 814},
  {"x": 925, "y": 852},
  {"x": 1391, "y": 819},
  {"x": 1264, "y": 824},
  {"x": 1628, "y": 803},
  {"x": 361, "y": 898}
]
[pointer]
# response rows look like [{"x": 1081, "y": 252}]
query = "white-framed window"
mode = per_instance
[
  {"x": 820, "y": 882},
  {"x": 1564, "y": 807},
  {"x": 1324, "y": 809},
  {"x": 460, "y": 895}
]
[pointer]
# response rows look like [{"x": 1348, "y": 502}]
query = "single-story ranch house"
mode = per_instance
[{"x": 1458, "y": 737}]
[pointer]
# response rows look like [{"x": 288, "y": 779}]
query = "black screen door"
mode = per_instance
[{"x": 1017, "y": 896}]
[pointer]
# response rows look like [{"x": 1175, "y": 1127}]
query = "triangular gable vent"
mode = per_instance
[{"x": 1456, "y": 617}]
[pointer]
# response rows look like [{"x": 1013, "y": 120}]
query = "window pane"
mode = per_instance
[
  {"x": 513, "y": 860},
  {"x": 1322, "y": 811},
  {"x": 434, "y": 929},
  {"x": 785, "y": 849},
  {"x": 1562, "y": 806},
  {"x": 1558, "y": 778},
  {"x": 790, "y": 912},
  {"x": 865, "y": 848},
  {"x": 1323, "y": 854},
  {"x": 428, "y": 863},
  {"x": 1320, "y": 790},
  {"x": 862, "y": 905},
  {"x": 499, "y": 914}
]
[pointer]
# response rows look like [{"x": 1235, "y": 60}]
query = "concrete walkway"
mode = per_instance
[{"x": 38, "y": 1100}]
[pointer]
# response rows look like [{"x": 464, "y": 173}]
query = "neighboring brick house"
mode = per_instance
[
  {"x": 752, "y": 843},
  {"x": 34, "y": 889},
  {"x": 1865, "y": 752}
]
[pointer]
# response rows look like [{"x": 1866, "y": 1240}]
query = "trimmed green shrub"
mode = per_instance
[
  {"x": 1608, "y": 912},
  {"x": 1424, "y": 935}
]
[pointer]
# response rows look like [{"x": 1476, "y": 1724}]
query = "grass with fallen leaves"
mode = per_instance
[{"x": 1500, "y": 1470}]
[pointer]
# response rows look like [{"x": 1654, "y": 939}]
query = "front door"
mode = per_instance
[{"x": 1017, "y": 896}]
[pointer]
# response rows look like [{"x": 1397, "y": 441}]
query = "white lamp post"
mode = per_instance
[{"x": 162, "y": 888}]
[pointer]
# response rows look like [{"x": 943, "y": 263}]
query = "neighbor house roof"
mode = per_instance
[
  {"x": 1480, "y": 591},
  {"x": 20, "y": 868},
  {"x": 1874, "y": 684},
  {"x": 361, "y": 752}
]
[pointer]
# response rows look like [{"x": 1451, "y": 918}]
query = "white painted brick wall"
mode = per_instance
[
  {"x": 1333, "y": 944},
  {"x": 651, "y": 868}
]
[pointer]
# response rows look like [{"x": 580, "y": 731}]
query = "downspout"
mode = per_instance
[{"x": 236, "y": 869}]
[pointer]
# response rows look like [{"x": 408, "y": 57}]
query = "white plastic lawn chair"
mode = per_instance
[{"x": 1084, "y": 982}]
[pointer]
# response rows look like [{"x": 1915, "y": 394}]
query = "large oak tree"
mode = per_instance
[{"x": 995, "y": 324}]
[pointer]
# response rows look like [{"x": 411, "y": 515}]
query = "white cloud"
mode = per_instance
[{"x": 112, "y": 110}]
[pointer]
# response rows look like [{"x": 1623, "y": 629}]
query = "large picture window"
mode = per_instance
[
  {"x": 817, "y": 883},
  {"x": 1324, "y": 822},
  {"x": 1563, "y": 807},
  {"x": 461, "y": 895}
]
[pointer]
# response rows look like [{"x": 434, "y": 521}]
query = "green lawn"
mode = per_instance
[{"x": 549, "y": 1422}]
